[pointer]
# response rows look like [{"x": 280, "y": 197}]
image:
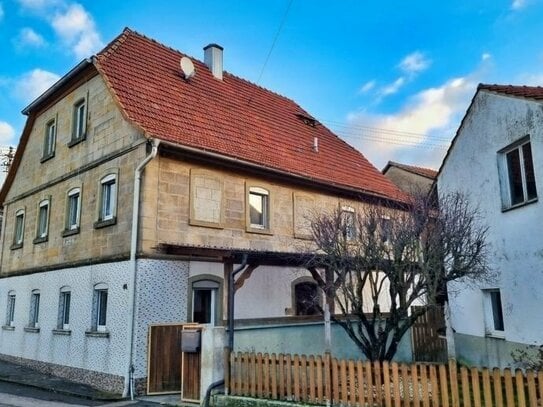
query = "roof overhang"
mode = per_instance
[{"x": 57, "y": 85}]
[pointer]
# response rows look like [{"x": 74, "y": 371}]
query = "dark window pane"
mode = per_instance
[
  {"x": 102, "y": 307},
  {"x": 496, "y": 299},
  {"x": 307, "y": 299},
  {"x": 66, "y": 311},
  {"x": 529, "y": 171},
  {"x": 201, "y": 311},
  {"x": 515, "y": 177}
]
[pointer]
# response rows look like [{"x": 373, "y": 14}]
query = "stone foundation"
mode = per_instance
[{"x": 102, "y": 381}]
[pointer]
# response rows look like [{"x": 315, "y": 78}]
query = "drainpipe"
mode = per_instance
[
  {"x": 231, "y": 293},
  {"x": 129, "y": 378}
]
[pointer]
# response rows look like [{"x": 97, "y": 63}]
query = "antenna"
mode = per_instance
[{"x": 187, "y": 67}]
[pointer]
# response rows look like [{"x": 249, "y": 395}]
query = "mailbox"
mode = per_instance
[{"x": 190, "y": 341}]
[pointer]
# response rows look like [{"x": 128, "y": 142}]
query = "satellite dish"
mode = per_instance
[{"x": 187, "y": 67}]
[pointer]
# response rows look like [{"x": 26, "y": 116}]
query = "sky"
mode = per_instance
[{"x": 393, "y": 78}]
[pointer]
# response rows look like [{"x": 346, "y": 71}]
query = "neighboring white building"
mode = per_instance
[{"x": 496, "y": 159}]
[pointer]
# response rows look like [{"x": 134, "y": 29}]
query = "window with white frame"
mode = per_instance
[
  {"x": 349, "y": 223},
  {"x": 64, "y": 303},
  {"x": 33, "y": 320},
  {"x": 50, "y": 139},
  {"x": 108, "y": 197},
  {"x": 73, "y": 210},
  {"x": 99, "y": 312},
  {"x": 492, "y": 305},
  {"x": 204, "y": 301},
  {"x": 259, "y": 208},
  {"x": 43, "y": 220},
  {"x": 386, "y": 228},
  {"x": 79, "y": 121},
  {"x": 10, "y": 311},
  {"x": 517, "y": 172},
  {"x": 18, "y": 234}
]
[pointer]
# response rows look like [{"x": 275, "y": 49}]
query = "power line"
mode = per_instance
[
  {"x": 401, "y": 133},
  {"x": 272, "y": 47}
]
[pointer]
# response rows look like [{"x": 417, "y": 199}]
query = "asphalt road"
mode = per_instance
[{"x": 16, "y": 395}]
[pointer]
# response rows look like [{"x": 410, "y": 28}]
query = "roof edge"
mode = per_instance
[{"x": 58, "y": 84}]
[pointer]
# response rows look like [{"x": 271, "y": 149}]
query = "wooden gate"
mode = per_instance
[
  {"x": 190, "y": 371},
  {"x": 164, "y": 359},
  {"x": 429, "y": 343}
]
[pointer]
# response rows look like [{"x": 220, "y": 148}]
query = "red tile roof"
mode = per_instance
[
  {"x": 425, "y": 172},
  {"x": 231, "y": 117},
  {"x": 532, "y": 92}
]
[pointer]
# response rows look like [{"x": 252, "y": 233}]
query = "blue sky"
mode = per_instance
[{"x": 393, "y": 78}]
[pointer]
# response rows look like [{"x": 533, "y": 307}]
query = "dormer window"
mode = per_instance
[
  {"x": 79, "y": 123},
  {"x": 50, "y": 140}
]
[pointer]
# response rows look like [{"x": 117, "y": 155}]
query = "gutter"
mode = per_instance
[
  {"x": 76, "y": 70},
  {"x": 129, "y": 378}
]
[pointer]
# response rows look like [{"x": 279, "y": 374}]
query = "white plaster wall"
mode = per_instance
[
  {"x": 161, "y": 298},
  {"x": 106, "y": 355},
  {"x": 515, "y": 236}
]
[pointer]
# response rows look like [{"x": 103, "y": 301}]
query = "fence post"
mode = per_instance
[
  {"x": 327, "y": 376},
  {"x": 453, "y": 374}
]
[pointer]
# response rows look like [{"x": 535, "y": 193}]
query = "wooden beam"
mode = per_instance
[{"x": 244, "y": 276}]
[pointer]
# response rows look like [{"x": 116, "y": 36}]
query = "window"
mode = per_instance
[
  {"x": 10, "y": 313},
  {"x": 50, "y": 139},
  {"x": 348, "y": 227},
  {"x": 204, "y": 299},
  {"x": 99, "y": 315},
  {"x": 34, "y": 309},
  {"x": 43, "y": 221},
  {"x": 518, "y": 184},
  {"x": 64, "y": 308},
  {"x": 259, "y": 208},
  {"x": 108, "y": 197},
  {"x": 79, "y": 122},
  {"x": 73, "y": 209},
  {"x": 386, "y": 229},
  {"x": 493, "y": 312},
  {"x": 307, "y": 298},
  {"x": 18, "y": 234}
]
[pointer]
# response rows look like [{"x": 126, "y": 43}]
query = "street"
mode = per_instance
[{"x": 16, "y": 395}]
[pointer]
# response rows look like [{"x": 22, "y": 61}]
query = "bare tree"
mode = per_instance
[{"x": 373, "y": 266}]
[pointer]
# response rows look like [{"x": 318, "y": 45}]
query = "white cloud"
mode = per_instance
[
  {"x": 32, "y": 84},
  {"x": 367, "y": 87},
  {"x": 486, "y": 56},
  {"x": 28, "y": 37},
  {"x": 393, "y": 88},
  {"x": 7, "y": 134},
  {"x": 1, "y": 11},
  {"x": 518, "y": 4},
  {"x": 424, "y": 121},
  {"x": 414, "y": 63},
  {"x": 76, "y": 27}
]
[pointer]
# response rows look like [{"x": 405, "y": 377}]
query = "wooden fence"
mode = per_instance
[{"x": 319, "y": 380}]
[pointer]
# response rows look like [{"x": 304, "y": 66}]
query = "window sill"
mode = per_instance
[
  {"x": 495, "y": 335},
  {"x": 8, "y": 328},
  {"x": 40, "y": 239},
  {"x": 520, "y": 205},
  {"x": 76, "y": 141},
  {"x": 104, "y": 223},
  {"x": 31, "y": 329},
  {"x": 16, "y": 246},
  {"x": 205, "y": 224},
  {"x": 47, "y": 158},
  {"x": 251, "y": 229},
  {"x": 97, "y": 334},
  {"x": 70, "y": 232},
  {"x": 62, "y": 332}
]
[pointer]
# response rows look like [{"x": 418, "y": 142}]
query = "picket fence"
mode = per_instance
[{"x": 323, "y": 380}]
